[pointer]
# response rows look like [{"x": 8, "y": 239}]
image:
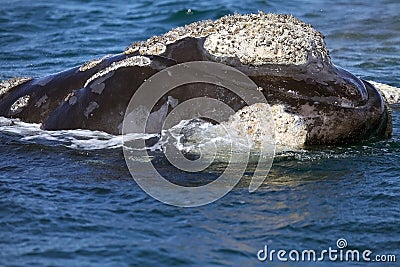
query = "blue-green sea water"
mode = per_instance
[{"x": 67, "y": 199}]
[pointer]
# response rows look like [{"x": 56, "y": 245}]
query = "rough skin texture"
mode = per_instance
[
  {"x": 254, "y": 39},
  {"x": 7, "y": 85},
  {"x": 312, "y": 102},
  {"x": 131, "y": 61}
]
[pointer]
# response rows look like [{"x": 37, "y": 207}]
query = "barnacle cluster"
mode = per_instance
[{"x": 254, "y": 39}]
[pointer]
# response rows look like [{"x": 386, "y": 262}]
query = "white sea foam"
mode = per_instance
[
  {"x": 187, "y": 136},
  {"x": 76, "y": 139},
  {"x": 193, "y": 136}
]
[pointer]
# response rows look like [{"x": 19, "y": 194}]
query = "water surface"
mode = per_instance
[{"x": 68, "y": 198}]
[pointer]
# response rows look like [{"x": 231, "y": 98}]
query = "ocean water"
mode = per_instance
[{"x": 67, "y": 198}]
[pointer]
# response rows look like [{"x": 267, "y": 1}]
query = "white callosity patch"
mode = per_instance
[
  {"x": 255, "y": 39},
  {"x": 127, "y": 62},
  {"x": 156, "y": 45},
  {"x": 266, "y": 38},
  {"x": 255, "y": 122},
  {"x": 89, "y": 109},
  {"x": 290, "y": 129},
  {"x": 71, "y": 98},
  {"x": 6, "y": 85},
  {"x": 19, "y": 104},
  {"x": 261, "y": 123},
  {"x": 391, "y": 93},
  {"x": 92, "y": 63},
  {"x": 257, "y": 126}
]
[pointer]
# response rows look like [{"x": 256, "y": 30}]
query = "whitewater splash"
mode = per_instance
[
  {"x": 75, "y": 139},
  {"x": 188, "y": 136},
  {"x": 197, "y": 136}
]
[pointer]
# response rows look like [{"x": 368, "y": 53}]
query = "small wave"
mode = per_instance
[{"x": 75, "y": 139}]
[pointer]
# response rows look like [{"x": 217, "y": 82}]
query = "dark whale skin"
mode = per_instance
[{"x": 335, "y": 106}]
